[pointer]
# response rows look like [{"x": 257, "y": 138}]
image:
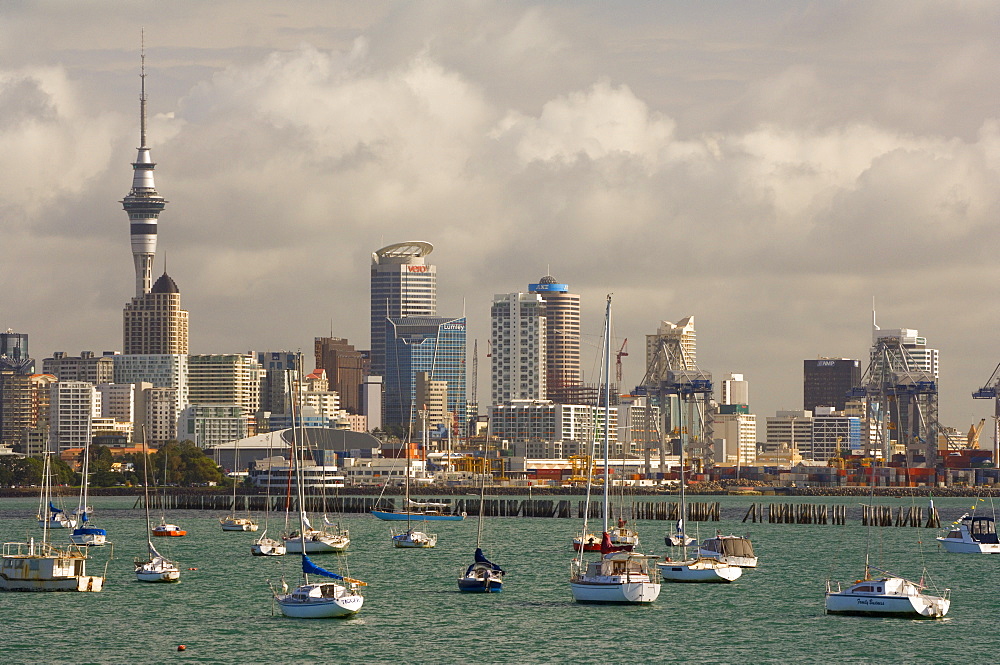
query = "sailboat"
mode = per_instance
[
  {"x": 411, "y": 538},
  {"x": 86, "y": 533},
  {"x": 231, "y": 522},
  {"x": 40, "y": 566},
  {"x": 155, "y": 567},
  {"x": 51, "y": 516},
  {"x": 330, "y": 538},
  {"x": 265, "y": 545},
  {"x": 699, "y": 568},
  {"x": 618, "y": 576},
  {"x": 483, "y": 576},
  {"x": 164, "y": 529},
  {"x": 316, "y": 600}
]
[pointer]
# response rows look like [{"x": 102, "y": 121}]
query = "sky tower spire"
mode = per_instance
[{"x": 143, "y": 204}]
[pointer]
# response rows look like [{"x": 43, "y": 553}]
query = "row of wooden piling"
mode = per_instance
[{"x": 774, "y": 513}]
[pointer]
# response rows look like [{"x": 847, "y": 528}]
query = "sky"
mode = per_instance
[{"x": 771, "y": 168}]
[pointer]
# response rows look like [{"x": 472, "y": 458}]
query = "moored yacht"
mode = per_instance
[
  {"x": 886, "y": 596},
  {"x": 39, "y": 566},
  {"x": 971, "y": 534},
  {"x": 734, "y": 550},
  {"x": 617, "y": 577}
]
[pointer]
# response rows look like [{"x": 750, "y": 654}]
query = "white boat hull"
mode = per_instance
[
  {"x": 81, "y": 583},
  {"x": 305, "y": 603},
  {"x": 698, "y": 570},
  {"x": 317, "y": 545},
  {"x": 158, "y": 576},
  {"x": 925, "y": 607},
  {"x": 615, "y": 592},
  {"x": 968, "y": 547},
  {"x": 414, "y": 540},
  {"x": 268, "y": 547}
]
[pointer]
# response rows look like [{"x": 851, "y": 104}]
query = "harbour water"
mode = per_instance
[{"x": 413, "y": 613}]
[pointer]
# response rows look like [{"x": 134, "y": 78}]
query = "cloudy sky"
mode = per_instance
[{"x": 769, "y": 167}]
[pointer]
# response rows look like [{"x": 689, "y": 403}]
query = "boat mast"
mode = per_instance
[
  {"x": 607, "y": 404},
  {"x": 297, "y": 457},
  {"x": 482, "y": 497},
  {"x": 680, "y": 518},
  {"x": 145, "y": 488}
]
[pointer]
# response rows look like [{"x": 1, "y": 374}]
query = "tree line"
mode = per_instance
[{"x": 180, "y": 463}]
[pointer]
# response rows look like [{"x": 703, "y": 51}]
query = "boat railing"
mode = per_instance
[{"x": 830, "y": 586}]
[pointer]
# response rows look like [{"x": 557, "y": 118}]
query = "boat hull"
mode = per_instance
[
  {"x": 268, "y": 548},
  {"x": 634, "y": 593},
  {"x": 965, "y": 547},
  {"x": 319, "y": 607},
  {"x": 475, "y": 585},
  {"x": 161, "y": 576},
  {"x": 82, "y": 583},
  {"x": 90, "y": 537},
  {"x": 239, "y": 527},
  {"x": 40, "y": 567},
  {"x": 320, "y": 545},
  {"x": 699, "y": 571},
  {"x": 402, "y": 517},
  {"x": 913, "y": 607}
]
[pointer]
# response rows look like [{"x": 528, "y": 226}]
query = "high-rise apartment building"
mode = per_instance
[
  {"x": 225, "y": 378},
  {"x": 24, "y": 408},
  {"x": 403, "y": 284},
  {"x": 281, "y": 371},
  {"x": 155, "y": 323},
  {"x": 72, "y": 407},
  {"x": 826, "y": 382},
  {"x": 423, "y": 344},
  {"x": 562, "y": 338},
  {"x": 735, "y": 390},
  {"x": 345, "y": 369},
  {"x": 85, "y": 367},
  {"x": 169, "y": 371},
  {"x": 518, "y": 334},
  {"x": 791, "y": 430},
  {"x": 734, "y": 429},
  {"x": 676, "y": 343}
]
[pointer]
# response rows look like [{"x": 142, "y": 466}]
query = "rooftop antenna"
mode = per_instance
[{"x": 142, "y": 93}]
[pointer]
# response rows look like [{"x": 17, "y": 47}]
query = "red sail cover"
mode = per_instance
[{"x": 606, "y": 546}]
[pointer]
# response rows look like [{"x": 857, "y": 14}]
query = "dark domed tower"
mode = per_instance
[{"x": 155, "y": 322}]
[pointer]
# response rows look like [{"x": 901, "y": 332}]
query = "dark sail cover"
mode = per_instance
[
  {"x": 55, "y": 511},
  {"x": 481, "y": 558},
  {"x": 311, "y": 568}
]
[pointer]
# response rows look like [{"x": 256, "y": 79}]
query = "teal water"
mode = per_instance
[{"x": 414, "y": 613}]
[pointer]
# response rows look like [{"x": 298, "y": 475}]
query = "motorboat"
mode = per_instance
[
  {"x": 617, "y": 577},
  {"x": 411, "y": 538},
  {"x": 971, "y": 534},
  {"x": 39, "y": 566},
  {"x": 734, "y": 550},
  {"x": 701, "y": 569},
  {"x": 886, "y": 596}
]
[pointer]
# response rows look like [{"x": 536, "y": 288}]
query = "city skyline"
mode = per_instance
[{"x": 766, "y": 170}]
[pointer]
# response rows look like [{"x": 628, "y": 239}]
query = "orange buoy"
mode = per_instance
[
  {"x": 192, "y": 569},
  {"x": 181, "y": 647}
]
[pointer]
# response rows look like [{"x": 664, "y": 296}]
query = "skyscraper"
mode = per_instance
[
  {"x": 518, "y": 335},
  {"x": 155, "y": 323},
  {"x": 562, "y": 337},
  {"x": 14, "y": 353},
  {"x": 344, "y": 368},
  {"x": 826, "y": 381},
  {"x": 402, "y": 284},
  {"x": 423, "y": 344}
]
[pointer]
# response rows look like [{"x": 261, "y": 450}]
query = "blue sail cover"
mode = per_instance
[
  {"x": 310, "y": 568},
  {"x": 481, "y": 558},
  {"x": 55, "y": 511}
]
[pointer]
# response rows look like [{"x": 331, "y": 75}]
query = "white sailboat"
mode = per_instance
[
  {"x": 412, "y": 538},
  {"x": 155, "y": 567},
  {"x": 618, "y": 576},
  {"x": 232, "y": 522},
  {"x": 265, "y": 545},
  {"x": 692, "y": 569},
  {"x": 51, "y": 516},
  {"x": 329, "y": 538},
  {"x": 87, "y": 534},
  {"x": 316, "y": 600},
  {"x": 40, "y": 566},
  {"x": 164, "y": 529}
]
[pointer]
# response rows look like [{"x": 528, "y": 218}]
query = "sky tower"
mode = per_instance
[{"x": 143, "y": 204}]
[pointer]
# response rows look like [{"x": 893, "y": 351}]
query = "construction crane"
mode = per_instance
[
  {"x": 972, "y": 438},
  {"x": 622, "y": 352}
]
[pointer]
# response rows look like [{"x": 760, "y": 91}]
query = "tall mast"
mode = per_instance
[
  {"x": 607, "y": 405},
  {"x": 143, "y": 204}
]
